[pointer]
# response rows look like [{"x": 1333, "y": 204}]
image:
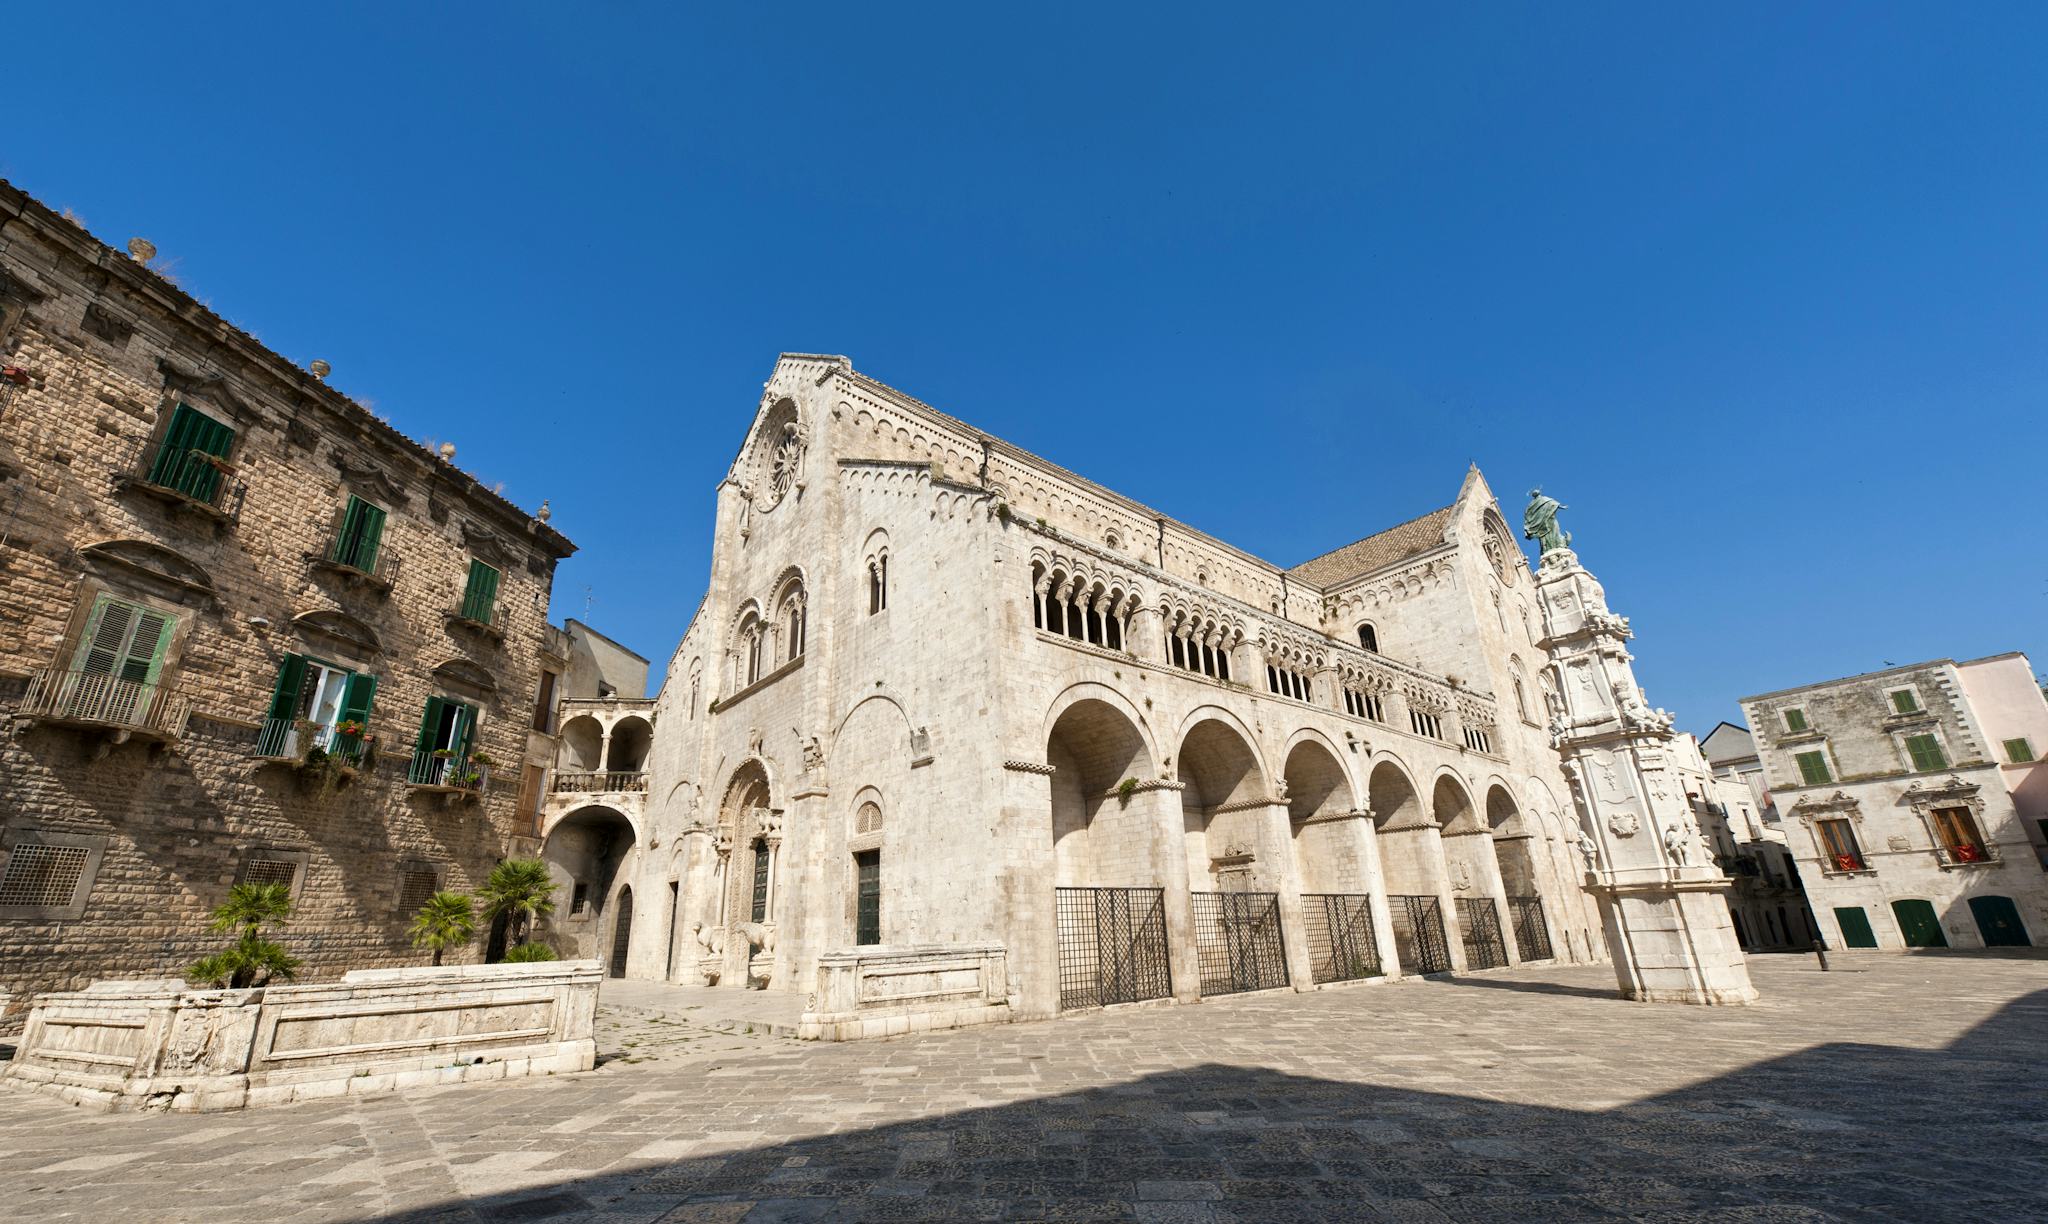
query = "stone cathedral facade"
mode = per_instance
[{"x": 953, "y": 713}]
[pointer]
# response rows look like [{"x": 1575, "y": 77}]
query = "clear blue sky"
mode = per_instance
[{"x": 1760, "y": 294}]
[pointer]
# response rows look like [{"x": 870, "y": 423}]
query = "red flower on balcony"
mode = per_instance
[{"x": 15, "y": 374}]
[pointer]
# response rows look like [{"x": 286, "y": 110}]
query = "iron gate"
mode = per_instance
[
  {"x": 1237, "y": 941},
  {"x": 1419, "y": 934},
  {"x": 1112, "y": 946},
  {"x": 1479, "y": 923},
  {"x": 1532, "y": 934},
  {"x": 1341, "y": 947}
]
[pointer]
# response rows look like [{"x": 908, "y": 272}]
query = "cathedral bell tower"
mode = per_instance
[{"x": 1662, "y": 897}]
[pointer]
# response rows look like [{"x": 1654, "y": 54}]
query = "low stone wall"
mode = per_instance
[
  {"x": 884, "y": 991},
  {"x": 159, "y": 1045}
]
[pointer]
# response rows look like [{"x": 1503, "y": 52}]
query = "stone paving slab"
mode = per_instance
[{"x": 1902, "y": 1088}]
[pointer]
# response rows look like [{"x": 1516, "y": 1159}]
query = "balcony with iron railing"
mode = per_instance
[
  {"x": 343, "y": 558},
  {"x": 185, "y": 479},
  {"x": 306, "y": 742},
  {"x": 600, "y": 782},
  {"x": 483, "y": 619},
  {"x": 447, "y": 772},
  {"x": 129, "y": 708}
]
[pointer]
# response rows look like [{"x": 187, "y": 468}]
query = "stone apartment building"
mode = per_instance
[
  {"x": 1915, "y": 802},
  {"x": 943, "y": 695},
  {"x": 251, "y": 632}
]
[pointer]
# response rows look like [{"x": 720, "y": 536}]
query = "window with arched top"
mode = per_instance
[
  {"x": 878, "y": 583},
  {"x": 1368, "y": 638},
  {"x": 748, "y": 648},
  {"x": 792, "y": 618},
  {"x": 868, "y": 819},
  {"x": 760, "y": 906}
]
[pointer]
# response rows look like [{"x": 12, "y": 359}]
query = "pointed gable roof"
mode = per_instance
[{"x": 1376, "y": 552}]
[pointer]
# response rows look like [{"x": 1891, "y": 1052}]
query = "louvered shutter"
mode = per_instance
[
  {"x": 480, "y": 597},
  {"x": 357, "y": 698},
  {"x": 144, "y": 660},
  {"x": 170, "y": 453},
  {"x": 372, "y": 537},
  {"x": 465, "y": 729},
  {"x": 284, "y": 698},
  {"x": 105, "y": 640},
  {"x": 430, "y": 723}
]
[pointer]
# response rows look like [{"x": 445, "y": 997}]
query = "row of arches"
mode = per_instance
[{"x": 1481, "y": 863}]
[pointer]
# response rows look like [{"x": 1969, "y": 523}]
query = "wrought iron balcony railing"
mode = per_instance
[
  {"x": 594, "y": 781},
  {"x": 345, "y": 559},
  {"x": 85, "y": 699},
  {"x": 443, "y": 770},
  {"x": 287, "y": 739},
  {"x": 191, "y": 479}
]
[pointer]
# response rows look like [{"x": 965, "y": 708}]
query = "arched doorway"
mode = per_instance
[
  {"x": 741, "y": 901},
  {"x": 1108, "y": 887},
  {"x": 1514, "y": 849},
  {"x": 1235, "y": 869},
  {"x": 622, "y": 933},
  {"x": 1412, "y": 865},
  {"x": 1332, "y": 849},
  {"x": 1475, "y": 876},
  {"x": 585, "y": 852}
]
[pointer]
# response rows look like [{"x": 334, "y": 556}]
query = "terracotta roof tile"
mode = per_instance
[{"x": 1375, "y": 552}]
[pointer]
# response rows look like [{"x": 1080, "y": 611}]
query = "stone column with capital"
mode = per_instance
[{"x": 1663, "y": 904}]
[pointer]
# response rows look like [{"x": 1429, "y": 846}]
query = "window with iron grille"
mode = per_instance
[
  {"x": 868, "y": 819},
  {"x": 417, "y": 884},
  {"x": 42, "y": 876},
  {"x": 267, "y": 868},
  {"x": 579, "y": 900}
]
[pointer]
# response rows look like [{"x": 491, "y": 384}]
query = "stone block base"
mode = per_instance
[
  {"x": 889, "y": 991},
  {"x": 150, "y": 1045},
  {"x": 1675, "y": 942}
]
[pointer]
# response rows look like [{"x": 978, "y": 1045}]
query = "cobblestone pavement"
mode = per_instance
[{"x": 1898, "y": 1089}]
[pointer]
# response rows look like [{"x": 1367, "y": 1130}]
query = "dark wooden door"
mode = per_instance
[
  {"x": 867, "y": 869},
  {"x": 622, "y": 933},
  {"x": 1998, "y": 920},
  {"x": 1918, "y": 924},
  {"x": 1855, "y": 924}
]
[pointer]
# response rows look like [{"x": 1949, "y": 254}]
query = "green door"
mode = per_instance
[
  {"x": 1998, "y": 920},
  {"x": 1855, "y": 926},
  {"x": 1918, "y": 924}
]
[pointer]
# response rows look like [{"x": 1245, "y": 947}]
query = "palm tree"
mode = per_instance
[
  {"x": 520, "y": 891},
  {"x": 251, "y": 960},
  {"x": 447, "y": 920}
]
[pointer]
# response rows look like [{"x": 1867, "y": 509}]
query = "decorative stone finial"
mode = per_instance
[
  {"x": 544, "y": 513},
  {"x": 320, "y": 369},
  {"x": 1539, "y": 523},
  {"x": 141, "y": 250},
  {"x": 447, "y": 452}
]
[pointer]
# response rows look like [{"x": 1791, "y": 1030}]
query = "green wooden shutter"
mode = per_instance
[
  {"x": 2018, "y": 751},
  {"x": 1813, "y": 767},
  {"x": 430, "y": 723},
  {"x": 291, "y": 678},
  {"x": 465, "y": 730},
  {"x": 191, "y": 433},
  {"x": 1903, "y": 702},
  {"x": 106, "y": 633},
  {"x": 357, "y": 697},
  {"x": 372, "y": 538},
  {"x": 480, "y": 597},
  {"x": 1795, "y": 720},
  {"x": 362, "y": 530},
  {"x": 145, "y": 658},
  {"x": 1926, "y": 752}
]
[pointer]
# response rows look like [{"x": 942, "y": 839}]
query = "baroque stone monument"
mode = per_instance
[{"x": 1662, "y": 904}]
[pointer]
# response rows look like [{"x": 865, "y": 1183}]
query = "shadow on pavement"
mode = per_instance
[{"x": 1839, "y": 1131}]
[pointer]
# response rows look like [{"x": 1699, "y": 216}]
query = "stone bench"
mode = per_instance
[{"x": 160, "y": 1045}]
